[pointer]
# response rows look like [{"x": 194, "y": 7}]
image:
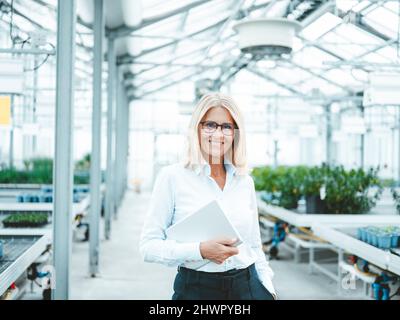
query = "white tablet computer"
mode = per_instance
[{"x": 206, "y": 223}]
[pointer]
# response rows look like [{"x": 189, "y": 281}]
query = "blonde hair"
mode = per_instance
[{"x": 194, "y": 157}]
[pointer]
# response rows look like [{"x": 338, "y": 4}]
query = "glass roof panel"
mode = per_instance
[
  {"x": 356, "y": 35},
  {"x": 390, "y": 53},
  {"x": 375, "y": 58},
  {"x": 323, "y": 24},
  {"x": 361, "y": 6},
  {"x": 248, "y": 83},
  {"x": 134, "y": 68},
  {"x": 346, "y": 5},
  {"x": 318, "y": 84},
  {"x": 207, "y": 14},
  {"x": 348, "y": 41},
  {"x": 313, "y": 57},
  {"x": 151, "y": 8},
  {"x": 187, "y": 46},
  {"x": 343, "y": 78},
  {"x": 138, "y": 44},
  {"x": 383, "y": 20},
  {"x": 194, "y": 58},
  {"x": 392, "y": 6},
  {"x": 291, "y": 74},
  {"x": 161, "y": 55},
  {"x": 153, "y": 73},
  {"x": 166, "y": 27}
]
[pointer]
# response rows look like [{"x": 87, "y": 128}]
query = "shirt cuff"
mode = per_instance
[{"x": 189, "y": 251}]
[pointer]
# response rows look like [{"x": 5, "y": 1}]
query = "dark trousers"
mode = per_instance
[{"x": 238, "y": 284}]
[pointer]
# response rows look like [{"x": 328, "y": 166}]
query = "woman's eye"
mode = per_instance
[
  {"x": 210, "y": 125},
  {"x": 227, "y": 126}
]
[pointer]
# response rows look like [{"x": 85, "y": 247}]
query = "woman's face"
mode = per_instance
[{"x": 213, "y": 142}]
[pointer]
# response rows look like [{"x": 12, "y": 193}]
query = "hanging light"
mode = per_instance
[{"x": 267, "y": 37}]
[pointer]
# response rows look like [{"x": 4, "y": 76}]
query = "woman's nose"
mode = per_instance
[{"x": 218, "y": 133}]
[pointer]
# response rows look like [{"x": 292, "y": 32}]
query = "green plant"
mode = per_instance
[
  {"x": 83, "y": 164},
  {"x": 289, "y": 185},
  {"x": 282, "y": 184},
  {"x": 349, "y": 191},
  {"x": 353, "y": 191},
  {"x": 313, "y": 181},
  {"x": 39, "y": 171},
  {"x": 396, "y": 198},
  {"x": 26, "y": 219}
]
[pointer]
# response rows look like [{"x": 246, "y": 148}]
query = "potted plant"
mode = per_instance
[
  {"x": 354, "y": 191},
  {"x": 313, "y": 182},
  {"x": 289, "y": 185}
]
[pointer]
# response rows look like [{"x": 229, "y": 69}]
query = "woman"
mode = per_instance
[{"x": 215, "y": 168}]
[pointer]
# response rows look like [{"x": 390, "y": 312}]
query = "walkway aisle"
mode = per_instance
[{"x": 123, "y": 275}]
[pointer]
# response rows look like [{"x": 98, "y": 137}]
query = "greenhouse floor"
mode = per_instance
[{"x": 123, "y": 275}]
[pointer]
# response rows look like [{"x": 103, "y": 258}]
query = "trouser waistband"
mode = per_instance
[{"x": 217, "y": 279}]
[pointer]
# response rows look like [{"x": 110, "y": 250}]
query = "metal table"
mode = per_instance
[{"x": 21, "y": 248}]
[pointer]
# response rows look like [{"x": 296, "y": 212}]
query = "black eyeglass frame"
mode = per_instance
[{"x": 219, "y": 125}]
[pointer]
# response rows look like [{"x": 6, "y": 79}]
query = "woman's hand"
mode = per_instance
[{"x": 218, "y": 250}]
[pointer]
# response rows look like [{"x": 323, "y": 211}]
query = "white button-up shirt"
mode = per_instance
[{"x": 179, "y": 191}]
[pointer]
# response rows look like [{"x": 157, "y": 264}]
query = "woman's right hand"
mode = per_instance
[{"x": 218, "y": 250}]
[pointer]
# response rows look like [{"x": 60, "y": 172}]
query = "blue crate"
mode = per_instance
[
  {"x": 27, "y": 197},
  {"x": 363, "y": 234},
  {"x": 47, "y": 189},
  {"x": 359, "y": 233},
  {"x": 384, "y": 241},
  {"x": 395, "y": 240},
  {"x": 374, "y": 238},
  {"x": 369, "y": 235}
]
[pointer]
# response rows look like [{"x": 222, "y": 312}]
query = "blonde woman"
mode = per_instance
[{"x": 215, "y": 168}]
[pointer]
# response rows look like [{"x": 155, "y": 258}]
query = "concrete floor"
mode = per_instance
[{"x": 123, "y": 275}]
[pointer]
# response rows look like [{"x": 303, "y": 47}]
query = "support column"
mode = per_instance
[
  {"x": 95, "y": 168},
  {"x": 328, "y": 140},
  {"x": 110, "y": 118},
  {"x": 63, "y": 171},
  {"x": 362, "y": 141},
  {"x": 118, "y": 144},
  {"x": 126, "y": 145},
  {"x": 11, "y": 147}
]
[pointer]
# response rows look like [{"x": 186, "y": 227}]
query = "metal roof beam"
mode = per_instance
[{"x": 128, "y": 59}]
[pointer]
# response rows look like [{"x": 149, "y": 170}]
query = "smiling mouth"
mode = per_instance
[{"x": 215, "y": 142}]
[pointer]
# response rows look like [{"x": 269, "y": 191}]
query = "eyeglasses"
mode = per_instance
[{"x": 211, "y": 126}]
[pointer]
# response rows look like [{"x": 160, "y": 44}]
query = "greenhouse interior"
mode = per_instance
[{"x": 102, "y": 102}]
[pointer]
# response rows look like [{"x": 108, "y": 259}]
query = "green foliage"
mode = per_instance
[
  {"x": 353, "y": 191},
  {"x": 396, "y": 198},
  {"x": 313, "y": 180},
  {"x": 83, "y": 164},
  {"x": 283, "y": 184},
  {"x": 40, "y": 171},
  {"x": 33, "y": 219}
]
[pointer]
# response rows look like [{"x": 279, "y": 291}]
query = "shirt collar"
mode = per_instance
[{"x": 229, "y": 167}]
